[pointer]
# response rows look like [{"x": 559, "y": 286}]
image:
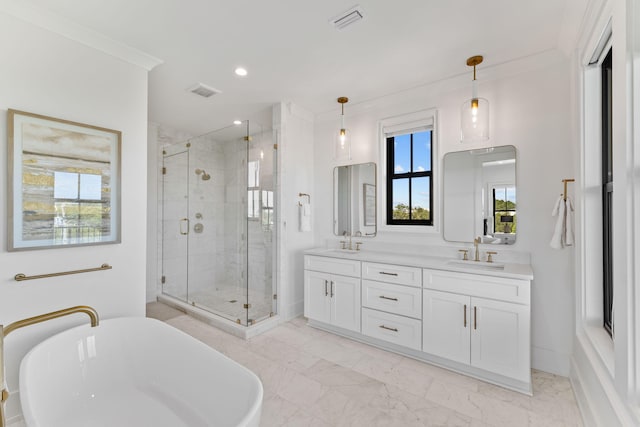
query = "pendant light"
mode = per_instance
[
  {"x": 343, "y": 136},
  {"x": 475, "y": 111}
]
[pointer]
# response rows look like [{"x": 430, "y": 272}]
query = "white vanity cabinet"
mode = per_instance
[
  {"x": 332, "y": 298},
  {"x": 466, "y": 317},
  {"x": 481, "y": 321}
]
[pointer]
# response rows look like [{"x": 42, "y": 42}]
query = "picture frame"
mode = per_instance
[
  {"x": 369, "y": 191},
  {"x": 63, "y": 183}
]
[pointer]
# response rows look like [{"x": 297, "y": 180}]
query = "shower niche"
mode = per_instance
[{"x": 218, "y": 211}]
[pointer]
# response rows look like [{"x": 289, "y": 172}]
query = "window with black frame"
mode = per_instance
[
  {"x": 504, "y": 209},
  {"x": 607, "y": 195},
  {"x": 409, "y": 179}
]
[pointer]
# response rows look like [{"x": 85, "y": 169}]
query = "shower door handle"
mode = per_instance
[{"x": 184, "y": 221}]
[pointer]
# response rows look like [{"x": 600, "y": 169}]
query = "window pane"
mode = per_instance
[
  {"x": 267, "y": 199},
  {"x": 90, "y": 187},
  {"x": 253, "y": 203},
  {"x": 511, "y": 197},
  {"x": 402, "y": 154},
  {"x": 420, "y": 198},
  {"x": 254, "y": 174},
  {"x": 505, "y": 199},
  {"x": 400, "y": 199},
  {"x": 65, "y": 185},
  {"x": 422, "y": 151}
]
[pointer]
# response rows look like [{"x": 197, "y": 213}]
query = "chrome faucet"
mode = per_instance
[
  {"x": 4, "y": 393},
  {"x": 476, "y": 242}
]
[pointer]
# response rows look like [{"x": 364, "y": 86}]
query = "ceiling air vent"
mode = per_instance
[
  {"x": 347, "y": 18},
  {"x": 204, "y": 90}
]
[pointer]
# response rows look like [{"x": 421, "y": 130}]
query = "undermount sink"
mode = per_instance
[
  {"x": 481, "y": 265},
  {"x": 343, "y": 251}
]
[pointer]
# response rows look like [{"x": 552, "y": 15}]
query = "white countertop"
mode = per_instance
[{"x": 496, "y": 269}]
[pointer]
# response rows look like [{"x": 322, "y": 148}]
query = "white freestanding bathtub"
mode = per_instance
[{"x": 135, "y": 372}]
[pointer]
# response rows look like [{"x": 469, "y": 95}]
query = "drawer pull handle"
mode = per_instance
[
  {"x": 326, "y": 291},
  {"x": 389, "y": 298},
  {"x": 475, "y": 317},
  {"x": 332, "y": 289},
  {"x": 388, "y": 328},
  {"x": 465, "y": 315},
  {"x": 388, "y": 274}
]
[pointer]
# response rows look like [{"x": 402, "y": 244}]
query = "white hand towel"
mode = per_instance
[
  {"x": 559, "y": 211},
  {"x": 568, "y": 223},
  {"x": 304, "y": 211}
]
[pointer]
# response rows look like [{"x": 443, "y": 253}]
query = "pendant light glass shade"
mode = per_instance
[
  {"x": 474, "y": 113},
  {"x": 343, "y": 136}
]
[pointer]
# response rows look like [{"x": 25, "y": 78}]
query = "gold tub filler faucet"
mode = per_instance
[{"x": 4, "y": 331}]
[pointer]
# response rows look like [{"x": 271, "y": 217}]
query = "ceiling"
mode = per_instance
[{"x": 292, "y": 52}]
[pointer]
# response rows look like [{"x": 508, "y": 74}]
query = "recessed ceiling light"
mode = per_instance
[
  {"x": 241, "y": 71},
  {"x": 237, "y": 122}
]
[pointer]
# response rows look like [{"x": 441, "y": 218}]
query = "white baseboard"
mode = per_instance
[
  {"x": 292, "y": 311},
  {"x": 550, "y": 361}
]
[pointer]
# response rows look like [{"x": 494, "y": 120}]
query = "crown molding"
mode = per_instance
[{"x": 57, "y": 24}]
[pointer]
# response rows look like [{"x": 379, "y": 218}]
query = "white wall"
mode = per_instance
[
  {"x": 47, "y": 74},
  {"x": 294, "y": 134},
  {"x": 529, "y": 110}
]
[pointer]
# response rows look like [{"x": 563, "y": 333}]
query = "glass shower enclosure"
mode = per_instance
[{"x": 219, "y": 223}]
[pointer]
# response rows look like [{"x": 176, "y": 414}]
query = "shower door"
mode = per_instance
[
  {"x": 219, "y": 227},
  {"x": 175, "y": 227},
  {"x": 261, "y": 226}
]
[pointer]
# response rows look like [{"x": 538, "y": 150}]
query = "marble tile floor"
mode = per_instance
[{"x": 314, "y": 378}]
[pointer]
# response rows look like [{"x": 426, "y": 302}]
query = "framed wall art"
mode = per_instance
[{"x": 64, "y": 183}]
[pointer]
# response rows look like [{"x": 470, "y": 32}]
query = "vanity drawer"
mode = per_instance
[
  {"x": 498, "y": 288},
  {"x": 399, "y": 274},
  {"x": 344, "y": 267},
  {"x": 395, "y": 329},
  {"x": 396, "y": 299}
]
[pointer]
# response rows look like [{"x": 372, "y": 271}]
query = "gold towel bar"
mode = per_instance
[
  {"x": 21, "y": 276},
  {"x": 564, "y": 195}
]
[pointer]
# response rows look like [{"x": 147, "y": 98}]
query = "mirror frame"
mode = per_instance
[{"x": 367, "y": 193}]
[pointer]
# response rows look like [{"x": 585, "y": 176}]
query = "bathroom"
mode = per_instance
[{"x": 537, "y": 105}]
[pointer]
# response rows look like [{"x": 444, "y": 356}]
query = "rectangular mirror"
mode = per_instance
[
  {"x": 354, "y": 200},
  {"x": 480, "y": 195},
  {"x": 64, "y": 183}
]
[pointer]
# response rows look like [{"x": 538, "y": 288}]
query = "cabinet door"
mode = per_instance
[
  {"x": 345, "y": 302},
  {"x": 317, "y": 300},
  {"x": 446, "y": 325},
  {"x": 500, "y": 338}
]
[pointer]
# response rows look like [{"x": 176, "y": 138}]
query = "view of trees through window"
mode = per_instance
[
  {"x": 504, "y": 210},
  {"x": 409, "y": 184}
]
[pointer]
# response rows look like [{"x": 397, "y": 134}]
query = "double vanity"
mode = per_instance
[{"x": 470, "y": 317}]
